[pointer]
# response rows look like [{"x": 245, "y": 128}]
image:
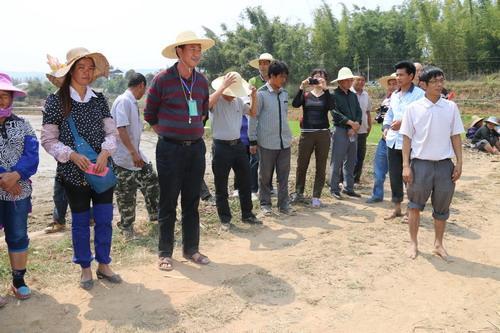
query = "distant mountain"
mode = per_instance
[{"x": 24, "y": 76}]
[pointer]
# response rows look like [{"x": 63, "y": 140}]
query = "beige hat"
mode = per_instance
[
  {"x": 344, "y": 74},
  {"x": 184, "y": 38},
  {"x": 240, "y": 88},
  {"x": 59, "y": 70},
  {"x": 475, "y": 120},
  {"x": 492, "y": 120},
  {"x": 384, "y": 80},
  {"x": 264, "y": 56}
]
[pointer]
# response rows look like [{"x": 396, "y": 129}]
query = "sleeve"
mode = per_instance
[
  {"x": 389, "y": 116},
  {"x": 206, "y": 100},
  {"x": 330, "y": 101},
  {"x": 121, "y": 112},
  {"x": 111, "y": 134},
  {"x": 153, "y": 101},
  {"x": 51, "y": 144},
  {"x": 245, "y": 107},
  {"x": 28, "y": 162},
  {"x": 369, "y": 109},
  {"x": 254, "y": 121},
  {"x": 407, "y": 127},
  {"x": 359, "y": 112},
  {"x": 481, "y": 134},
  {"x": 457, "y": 126},
  {"x": 298, "y": 101}
]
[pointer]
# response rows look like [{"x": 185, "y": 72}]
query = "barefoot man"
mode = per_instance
[{"x": 431, "y": 129}]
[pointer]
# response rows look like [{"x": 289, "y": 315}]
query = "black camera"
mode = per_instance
[
  {"x": 382, "y": 110},
  {"x": 313, "y": 81}
]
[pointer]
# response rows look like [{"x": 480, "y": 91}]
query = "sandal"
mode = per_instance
[
  {"x": 165, "y": 264},
  {"x": 3, "y": 301},
  {"x": 198, "y": 258},
  {"x": 22, "y": 292}
]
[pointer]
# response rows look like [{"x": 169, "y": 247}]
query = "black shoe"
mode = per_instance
[
  {"x": 296, "y": 198},
  {"x": 251, "y": 220},
  {"x": 352, "y": 194},
  {"x": 336, "y": 195}
]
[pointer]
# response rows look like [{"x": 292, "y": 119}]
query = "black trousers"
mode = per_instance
[
  {"x": 358, "y": 168},
  {"x": 180, "y": 171},
  {"x": 395, "y": 157},
  {"x": 224, "y": 158}
]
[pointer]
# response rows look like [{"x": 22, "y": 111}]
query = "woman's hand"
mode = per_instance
[
  {"x": 82, "y": 162},
  {"x": 102, "y": 161},
  {"x": 304, "y": 84},
  {"x": 322, "y": 83},
  {"x": 8, "y": 180}
]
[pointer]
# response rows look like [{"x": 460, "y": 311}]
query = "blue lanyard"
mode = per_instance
[{"x": 185, "y": 86}]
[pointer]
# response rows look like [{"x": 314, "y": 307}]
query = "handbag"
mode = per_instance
[{"x": 99, "y": 184}]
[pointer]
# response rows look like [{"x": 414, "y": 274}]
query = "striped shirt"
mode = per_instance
[
  {"x": 270, "y": 129},
  {"x": 167, "y": 104}
]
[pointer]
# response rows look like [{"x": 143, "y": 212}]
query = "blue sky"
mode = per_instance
[{"x": 130, "y": 33}]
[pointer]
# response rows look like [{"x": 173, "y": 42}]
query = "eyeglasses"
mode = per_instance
[{"x": 436, "y": 81}]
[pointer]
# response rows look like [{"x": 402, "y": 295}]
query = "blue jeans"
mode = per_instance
[
  {"x": 380, "y": 169},
  {"x": 14, "y": 217}
]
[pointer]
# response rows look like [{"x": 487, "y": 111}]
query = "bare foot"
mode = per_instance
[
  {"x": 393, "y": 215},
  {"x": 413, "y": 251},
  {"x": 441, "y": 252}
]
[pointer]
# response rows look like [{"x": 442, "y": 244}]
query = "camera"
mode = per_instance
[
  {"x": 379, "y": 118},
  {"x": 313, "y": 81}
]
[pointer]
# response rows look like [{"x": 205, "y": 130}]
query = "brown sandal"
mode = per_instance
[
  {"x": 198, "y": 258},
  {"x": 165, "y": 264}
]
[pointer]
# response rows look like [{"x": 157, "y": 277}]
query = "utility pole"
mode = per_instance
[{"x": 368, "y": 74}]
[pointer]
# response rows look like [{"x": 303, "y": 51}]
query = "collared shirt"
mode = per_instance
[
  {"x": 226, "y": 117},
  {"x": 89, "y": 93},
  {"x": 167, "y": 105},
  {"x": 430, "y": 127},
  {"x": 270, "y": 129},
  {"x": 397, "y": 108},
  {"x": 366, "y": 105},
  {"x": 346, "y": 108},
  {"x": 125, "y": 112}
]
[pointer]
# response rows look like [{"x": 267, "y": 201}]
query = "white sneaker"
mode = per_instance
[
  {"x": 316, "y": 203},
  {"x": 235, "y": 194},
  {"x": 255, "y": 196}
]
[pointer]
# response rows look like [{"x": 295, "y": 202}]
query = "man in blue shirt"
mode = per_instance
[{"x": 407, "y": 93}]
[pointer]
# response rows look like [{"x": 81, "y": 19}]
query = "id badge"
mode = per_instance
[{"x": 193, "y": 108}]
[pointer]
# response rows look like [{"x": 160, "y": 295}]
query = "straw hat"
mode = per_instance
[
  {"x": 59, "y": 71},
  {"x": 6, "y": 85},
  {"x": 384, "y": 80},
  {"x": 492, "y": 120},
  {"x": 344, "y": 74},
  {"x": 184, "y": 38},
  {"x": 264, "y": 56},
  {"x": 475, "y": 120},
  {"x": 240, "y": 88}
]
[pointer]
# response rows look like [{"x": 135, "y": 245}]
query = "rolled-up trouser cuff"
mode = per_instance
[
  {"x": 413, "y": 205},
  {"x": 440, "y": 216}
]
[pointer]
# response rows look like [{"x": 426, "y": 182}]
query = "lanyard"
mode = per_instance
[{"x": 185, "y": 86}]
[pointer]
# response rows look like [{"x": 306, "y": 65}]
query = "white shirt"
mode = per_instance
[
  {"x": 76, "y": 97},
  {"x": 226, "y": 118},
  {"x": 366, "y": 105},
  {"x": 125, "y": 112},
  {"x": 430, "y": 127}
]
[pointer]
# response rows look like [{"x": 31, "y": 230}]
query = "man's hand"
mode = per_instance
[
  {"x": 384, "y": 133},
  {"x": 457, "y": 172},
  {"x": 407, "y": 174},
  {"x": 396, "y": 125},
  {"x": 137, "y": 159},
  {"x": 253, "y": 92},
  {"x": 229, "y": 79},
  {"x": 355, "y": 126},
  {"x": 253, "y": 150}
]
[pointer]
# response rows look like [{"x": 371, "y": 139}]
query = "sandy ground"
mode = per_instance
[{"x": 341, "y": 268}]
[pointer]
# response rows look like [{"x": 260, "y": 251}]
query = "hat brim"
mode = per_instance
[
  {"x": 384, "y": 81},
  {"x": 492, "y": 122},
  {"x": 473, "y": 123},
  {"x": 169, "y": 50},
  {"x": 100, "y": 62},
  {"x": 255, "y": 62},
  {"x": 15, "y": 91},
  {"x": 235, "y": 90},
  {"x": 348, "y": 77}
]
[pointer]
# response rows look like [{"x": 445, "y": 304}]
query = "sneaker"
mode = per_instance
[
  {"x": 128, "y": 234},
  {"x": 296, "y": 198},
  {"x": 225, "y": 226},
  {"x": 255, "y": 196},
  {"x": 336, "y": 195},
  {"x": 266, "y": 211},
  {"x": 315, "y": 202},
  {"x": 352, "y": 194},
  {"x": 235, "y": 194},
  {"x": 55, "y": 227},
  {"x": 288, "y": 211},
  {"x": 373, "y": 200},
  {"x": 251, "y": 220}
]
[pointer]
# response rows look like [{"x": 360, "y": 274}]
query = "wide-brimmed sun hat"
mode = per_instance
[
  {"x": 240, "y": 88},
  {"x": 264, "y": 56},
  {"x": 384, "y": 80},
  {"x": 344, "y": 74},
  {"x": 7, "y": 85},
  {"x": 59, "y": 71},
  {"x": 492, "y": 120},
  {"x": 185, "y": 38},
  {"x": 475, "y": 120}
]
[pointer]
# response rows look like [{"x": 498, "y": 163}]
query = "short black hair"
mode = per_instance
[
  {"x": 360, "y": 74},
  {"x": 277, "y": 67},
  {"x": 408, "y": 66},
  {"x": 430, "y": 72},
  {"x": 136, "y": 80},
  {"x": 320, "y": 71}
]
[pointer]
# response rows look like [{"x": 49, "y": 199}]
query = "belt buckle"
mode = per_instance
[
  {"x": 187, "y": 143},
  {"x": 233, "y": 142}
]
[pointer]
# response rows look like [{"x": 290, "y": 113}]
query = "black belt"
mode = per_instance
[
  {"x": 181, "y": 142},
  {"x": 228, "y": 142}
]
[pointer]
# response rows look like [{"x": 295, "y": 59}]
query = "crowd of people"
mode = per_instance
[{"x": 98, "y": 152}]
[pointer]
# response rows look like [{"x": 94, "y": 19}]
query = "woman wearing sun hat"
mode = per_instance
[
  {"x": 75, "y": 102},
  {"x": 486, "y": 138},
  {"x": 18, "y": 162}
]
